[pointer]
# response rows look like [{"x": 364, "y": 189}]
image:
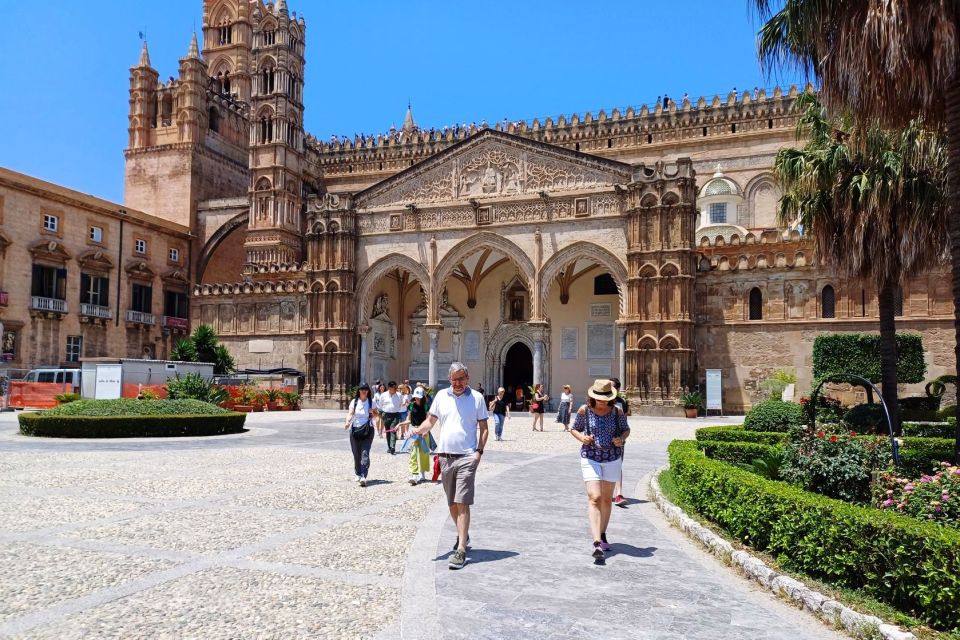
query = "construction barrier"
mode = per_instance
[{"x": 36, "y": 395}]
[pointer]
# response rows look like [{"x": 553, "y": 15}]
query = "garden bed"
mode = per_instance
[
  {"x": 128, "y": 418},
  {"x": 910, "y": 564}
]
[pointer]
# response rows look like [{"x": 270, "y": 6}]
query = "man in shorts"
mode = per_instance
[{"x": 462, "y": 414}]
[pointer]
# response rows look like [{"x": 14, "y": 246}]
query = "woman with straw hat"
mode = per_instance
[{"x": 601, "y": 429}]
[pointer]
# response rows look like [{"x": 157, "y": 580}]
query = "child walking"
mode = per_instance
[{"x": 419, "y": 445}]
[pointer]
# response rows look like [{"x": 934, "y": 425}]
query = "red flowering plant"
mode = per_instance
[
  {"x": 829, "y": 410},
  {"x": 930, "y": 497},
  {"x": 839, "y": 465}
]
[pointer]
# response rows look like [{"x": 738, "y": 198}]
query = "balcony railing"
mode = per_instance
[
  {"x": 170, "y": 322},
  {"x": 39, "y": 303},
  {"x": 140, "y": 317},
  {"x": 95, "y": 311}
]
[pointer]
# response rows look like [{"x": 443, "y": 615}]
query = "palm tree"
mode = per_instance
[
  {"x": 872, "y": 200},
  {"x": 884, "y": 60},
  {"x": 204, "y": 346}
]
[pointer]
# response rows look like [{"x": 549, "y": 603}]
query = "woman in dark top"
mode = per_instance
[
  {"x": 500, "y": 408},
  {"x": 537, "y": 406},
  {"x": 602, "y": 430}
]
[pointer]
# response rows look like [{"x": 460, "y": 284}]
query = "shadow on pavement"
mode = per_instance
[
  {"x": 373, "y": 483},
  {"x": 476, "y": 556},
  {"x": 620, "y": 549}
]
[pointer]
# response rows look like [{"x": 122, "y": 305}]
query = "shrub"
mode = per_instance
[
  {"x": 774, "y": 415},
  {"x": 149, "y": 394},
  {"x": 909, "y": 564},
  {"x": 745, "y": 452},
  {"x": 829, "y": 410},
  {"x": 64, "y": 398},
  {"x": 733, "y": 434},
  {"x": 924, "y": 455},
  {"x": 194, "y": 386},
  {"x": 691, "y": 400},
  {"x": 292, "y": 398},
  {"x": 859, "y": 354},
  {"x": 129, "y": 426},
  {"x": 132, "y": 407},
  {"x": 839, "y": 466},
  {"x": 928, "y": 429},
  {"x": 931, "y": 497},
  {"x": 866, "y": 418}
]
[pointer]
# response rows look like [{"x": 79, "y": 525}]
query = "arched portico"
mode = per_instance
[{"x": 584, "y": 251}]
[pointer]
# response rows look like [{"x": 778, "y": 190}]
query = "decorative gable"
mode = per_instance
[{"x": 493, "y": 164}]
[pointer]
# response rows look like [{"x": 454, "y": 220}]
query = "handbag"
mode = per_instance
[
  {"x": 534, "y": 406},
  {"x": 362, "y": 433}
]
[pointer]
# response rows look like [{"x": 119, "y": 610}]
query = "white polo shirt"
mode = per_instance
[
  {"x": 390, "y": 403},
  {"x": 457, "y": 418}
]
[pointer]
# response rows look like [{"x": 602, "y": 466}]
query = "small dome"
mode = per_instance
[{"x": 719, "y": 187}]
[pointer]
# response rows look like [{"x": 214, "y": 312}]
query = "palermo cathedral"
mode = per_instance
[{"x": 635, "y": 242}]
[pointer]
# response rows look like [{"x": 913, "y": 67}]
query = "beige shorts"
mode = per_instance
[{"x": 458, "y": 476}]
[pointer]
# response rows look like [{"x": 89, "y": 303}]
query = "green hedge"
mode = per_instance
[
  {"x": 745, "y": 452},
  {"x": 923, "y": 455},
  {"x": 132, "y": 407},
  {"x": 733, "y": 434},
  {"x": 928, "y": 429},
  {"x": 859, "y": 354},
  {"x": 60, "y": 426},
  {"x": 909, "y": 564},
  {"x": 774, "y": 415}
]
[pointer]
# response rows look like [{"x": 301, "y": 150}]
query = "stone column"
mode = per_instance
[
  {"x": 622, "y": 355},
  {"x": 434, "y": 334},
  {"x": 363, "y": 354},
  {"x": 537, "y": 360}
]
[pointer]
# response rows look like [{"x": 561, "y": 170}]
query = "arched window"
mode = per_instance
[
  {"x": 266, "y": 128},
  {"x": 756, "y": 304},
  {"x": 166, "y": 110},
  {"x": 267, "y": 77},
  {"x": 828, "y": 303},
  {"x": 214, "y": 120}
]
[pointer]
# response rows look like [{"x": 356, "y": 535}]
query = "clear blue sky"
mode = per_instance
[{"x": 65, "y": 67}]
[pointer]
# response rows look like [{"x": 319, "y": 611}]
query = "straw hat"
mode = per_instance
[{"x": 602, "y": 390}]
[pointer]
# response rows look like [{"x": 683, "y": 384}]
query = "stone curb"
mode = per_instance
[{"x": 856, "y": 624}]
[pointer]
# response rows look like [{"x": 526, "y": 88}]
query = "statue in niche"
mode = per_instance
[
  {"x": 444, "y": 300},
  {"x": 416, "y": 347},
  {"x": 380, "y": 305},
  {"x": 456, "y": 345},
  {"x": 492, "y": 181},
  {"x": 516, "y": 309}
]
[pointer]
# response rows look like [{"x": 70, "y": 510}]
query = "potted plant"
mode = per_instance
[
  {"x": 274, "y": 396},
  {"x": 292, "y": 400},
  {"x": 259, "y": 400},
  {"x": 246, "y": 399},
  {"x": 692, "y": 402}
]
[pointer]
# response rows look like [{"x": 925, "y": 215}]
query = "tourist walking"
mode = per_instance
[
  {"x": 566, "y": 407},
  {"x": 378, "y": 390},
  {"x": 601, "y": 429},
  {"x": 538, "y": 406},
  {"x": 499, "y": 407},
  {"x": 462, "y": 415},
  {"x": 420, "y": 446},
  {"x": 391, "y": 403},
  {"x": 404, "y": 390},
  {"x": 360, "y": 423},
  {"x": 621, "y": 404}
]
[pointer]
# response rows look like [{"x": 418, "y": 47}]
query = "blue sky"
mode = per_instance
[{"x": 67, "y": 64}]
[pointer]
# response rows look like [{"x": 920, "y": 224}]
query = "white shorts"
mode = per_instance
[{"x": 605, "y": 471}]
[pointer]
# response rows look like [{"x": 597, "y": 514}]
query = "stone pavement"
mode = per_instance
[{"x": 263, "y": 535}]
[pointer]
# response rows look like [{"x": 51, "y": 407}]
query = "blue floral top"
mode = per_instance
[{"x": 603, "y": 429}]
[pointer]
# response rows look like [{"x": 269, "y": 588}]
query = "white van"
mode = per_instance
[{"x": 69, "y": 378}]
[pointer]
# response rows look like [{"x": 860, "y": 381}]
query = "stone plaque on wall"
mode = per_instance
[
  {"x": 600, "y": 311},
  {"x": 569, "y": 349},
  {"x": 599, "y": 370},
  {"x": 600, "y": 342},
  {"x": 471, "y": 345}
]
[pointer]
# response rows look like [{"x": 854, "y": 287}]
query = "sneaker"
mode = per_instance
[
  {"x": 363, "y": 482},
  {"x": 619, "y": 500},
  {"x": 456, "y": 544},
  {"x": 458, "y": 559},
  {"x": 598, "y": 550},
  {"x": 414, "y": 480},
  {"x": 605, "y": 546}
]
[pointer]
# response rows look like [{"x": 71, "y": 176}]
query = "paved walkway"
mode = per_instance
[{"x": 264, "y": 535}]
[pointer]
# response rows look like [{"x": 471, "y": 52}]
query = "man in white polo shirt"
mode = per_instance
[{"x": 461, "y": 412}]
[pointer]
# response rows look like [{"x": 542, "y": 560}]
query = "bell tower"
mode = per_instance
[
  {"x": 276, "y": 136},
  {"x": 227, "y": 38}
]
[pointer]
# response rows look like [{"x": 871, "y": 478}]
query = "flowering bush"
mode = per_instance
[
  {"x": 839, "y": 466},
  {"x": 931, "y": 497},
  {"x": 829, "y": 410}
]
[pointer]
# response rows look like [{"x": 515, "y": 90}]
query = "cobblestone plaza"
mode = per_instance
[{"x": 265, "y": 535}]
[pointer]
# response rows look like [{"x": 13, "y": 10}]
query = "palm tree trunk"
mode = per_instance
[
  {"x": 952, "y": 120},
  {"x": 888, "y": 354}
]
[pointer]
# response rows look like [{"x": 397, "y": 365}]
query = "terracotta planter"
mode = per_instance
[
  {"x": 243, "y": 408},
  {"x": 273, "y": 405},
  {"x": 690, "y": 411},
  {"x": 257, "y": 408},
  {"x": 294, "y": 407}
]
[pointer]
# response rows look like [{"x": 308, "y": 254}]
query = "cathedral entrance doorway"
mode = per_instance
[{"x": 518, "y": 375}]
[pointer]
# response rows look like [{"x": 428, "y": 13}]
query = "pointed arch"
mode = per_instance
[
  {"x": 589, "y": 251},
  {"x": 239, "y": 221},
  {"x": 380, "y": 268}
]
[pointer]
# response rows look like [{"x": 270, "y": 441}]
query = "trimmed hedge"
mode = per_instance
[
  {"x": 859, "y": 353},
  {"x": 67, "y": 426},
  {"x": 912, "y": 565},
  {"x": 774, "y": 415},
  {"x": 928, "y": 429},
  {"x": 745, "y": 452},
  {"x": 733, "y": 434},
  {"x": 132, "y": 407},
  {"x": 923, "y": 455}
]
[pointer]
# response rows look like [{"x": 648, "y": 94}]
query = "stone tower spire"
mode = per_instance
[
  {"x": 144, "y": 56},
  {"x": 276, "y": 139},
  {"x": 194, "y": 50},
  {"x": 409, "y": 124},
  {"x": 143, "y": 101}
]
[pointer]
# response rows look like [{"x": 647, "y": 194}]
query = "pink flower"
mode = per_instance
[
  {"x": 889, "y": 492},
  {"x": 909, "y": 487},
  {"x": 938, "y": 509},
  {"x": 853, "y": 433},
  {"x": 821, "y": 434},
  {"x": 886, "y": 503}
]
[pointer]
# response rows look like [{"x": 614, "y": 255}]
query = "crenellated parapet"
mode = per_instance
[{"x": 614, "y": 133}]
